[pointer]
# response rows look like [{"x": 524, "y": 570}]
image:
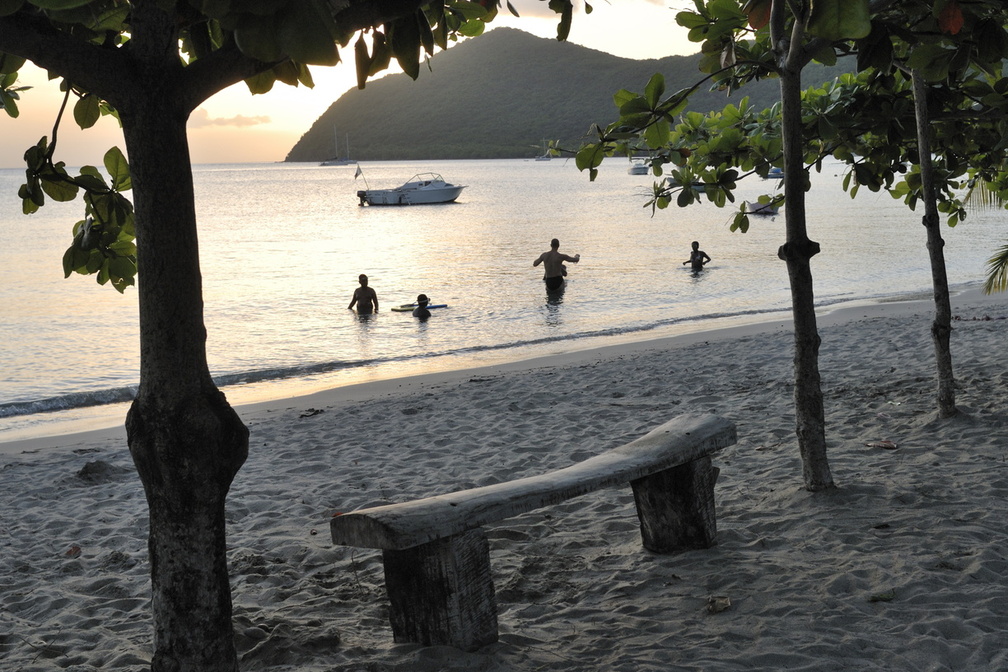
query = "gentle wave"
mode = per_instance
[
  {"x": 306, "y": 371},
  {"x": 230, "y": 380}
]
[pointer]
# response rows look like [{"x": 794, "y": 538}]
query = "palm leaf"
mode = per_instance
[{"x": 997, "y": 272}]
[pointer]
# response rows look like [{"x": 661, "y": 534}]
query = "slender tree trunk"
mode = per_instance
[
  {"x": 186, "y": 441},
  {"x": 798, "y": 252},
  {"x": 941, "y": 327}
]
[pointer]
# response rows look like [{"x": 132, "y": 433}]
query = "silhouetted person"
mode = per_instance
[
  {"x": 697, "y": 258},
  {"x": 364, "y": 297},
  {"x": 422, "y": 311},
  {"x": 552, "y": 261}
]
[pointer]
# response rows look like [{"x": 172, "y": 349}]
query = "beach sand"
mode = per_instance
[{"x": 902, "y": 567}]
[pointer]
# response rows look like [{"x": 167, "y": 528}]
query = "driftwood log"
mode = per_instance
[{"x": 436, "y": 555}]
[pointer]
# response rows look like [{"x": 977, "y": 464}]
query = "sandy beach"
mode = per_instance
[{"x": 902, "y": 567}]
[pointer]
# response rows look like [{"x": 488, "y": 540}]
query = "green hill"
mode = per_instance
[{"x": 498, "y": 96}]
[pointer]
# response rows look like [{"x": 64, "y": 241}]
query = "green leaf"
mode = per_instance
[
  {"x": 740, "y": 222},
  {"x": 362, "y": 61},
  {"x": 91, "y": 179},
  {"x": 381, "y": 53},
  {"x": 75, "y": 260},
  {"x": 261, "y": 83},
  {"x": 61, "y": 191},
  {"x": 565, "y": 8},
  {"x": 589, "y": 156},
  {"x": 122, "y": 267},
  {"x": 307, "y": 33},
  {"x": 36, "y": 156},
  {"x": 9, "y": 63},
  {"x": 257, "y": 37},
  {"x": 118, "y": 169},
  {"x": 287, "y": 72},
  {"x": 839, "y": 19},
  {"x": 87, "y": 110},
  {"x": 932, "y": 61},
  {"x": 657, "y": 134},
  {"x": 654, "y": 90},
  {"x": 404, "y": 38},
  {"x": 635, "y": 105}
]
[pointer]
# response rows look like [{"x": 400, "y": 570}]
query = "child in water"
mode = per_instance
[{"x": 421, "y": 310}]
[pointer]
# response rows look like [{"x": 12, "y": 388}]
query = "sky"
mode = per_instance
[{"x": 236, "y": 127}]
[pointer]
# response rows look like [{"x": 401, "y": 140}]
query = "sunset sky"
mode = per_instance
[{"x": 235, "y": 126}]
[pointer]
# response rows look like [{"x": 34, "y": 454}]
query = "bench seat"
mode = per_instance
[{"x": 436, "y": 555}]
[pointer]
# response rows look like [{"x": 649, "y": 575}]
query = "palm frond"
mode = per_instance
[
  {"x": 997, "y": 272},
  {"x": 981, "y": 196}
]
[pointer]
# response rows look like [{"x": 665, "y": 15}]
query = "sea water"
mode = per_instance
[{"x": 281, "y": 246}]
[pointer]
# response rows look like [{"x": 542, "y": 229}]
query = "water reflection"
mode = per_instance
[
  {"x": 366, "y": 322},
  {"x": 554, "y": 299}
]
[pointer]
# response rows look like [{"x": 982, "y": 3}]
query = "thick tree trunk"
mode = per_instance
[
  {"x": 186, "y": 441},
  {"x": 797, "y": 252},
  {"x": 941, "y": 328}
]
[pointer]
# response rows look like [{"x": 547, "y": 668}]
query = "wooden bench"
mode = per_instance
[{"x": 437, "y": 557}]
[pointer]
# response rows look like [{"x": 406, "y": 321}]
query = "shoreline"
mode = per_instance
[
  {"x": 897, "y": 568},
  {"x": 411, "y": 382}
]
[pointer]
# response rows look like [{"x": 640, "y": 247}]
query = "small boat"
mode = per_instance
[
  {"x": 545, "y": 156},
  {"x": 638, "y": 167},
  {"x": 756, "y": 208},
  {"x": 423, "y": 188},
  {"x": 775, "y": 173},
  {"x": 338, "y": 160}
]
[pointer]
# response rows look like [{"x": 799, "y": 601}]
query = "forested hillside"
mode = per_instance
[{"x": 499, "y": 96}]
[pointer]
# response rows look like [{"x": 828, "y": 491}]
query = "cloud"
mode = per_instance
[{"x": 200, "y": 118}]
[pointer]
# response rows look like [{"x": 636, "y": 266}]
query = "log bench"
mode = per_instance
[{"x": 437, "y": 558}]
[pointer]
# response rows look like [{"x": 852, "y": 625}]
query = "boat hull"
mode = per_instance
[
  {"x": 752, "y": 208},
  {"x": 424, "y": 191}
]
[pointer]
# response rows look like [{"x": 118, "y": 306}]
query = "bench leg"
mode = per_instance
[
  {"x": 442, "y": 592},
  {"x": 676, "y": 507}
]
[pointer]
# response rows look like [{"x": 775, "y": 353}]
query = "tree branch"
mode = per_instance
[
  {"x": 215, "y": 72},
  {"x": 95, "y": 69},
  {"x": 359, "y": 14}
]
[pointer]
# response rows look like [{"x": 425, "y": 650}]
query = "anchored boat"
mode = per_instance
[{"x": 421, "y": 189}]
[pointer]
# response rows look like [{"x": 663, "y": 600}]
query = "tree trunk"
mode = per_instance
[
  {"x": 797, "y": 252},
  {"x": 941, "y": 327},
  {"x": 186, "y": 441}
]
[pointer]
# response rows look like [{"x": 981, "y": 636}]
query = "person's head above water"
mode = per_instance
[
  {"x": 555, "y": 243},
  {"x": 422, "y": 299},
  {"x": 363, "y": 279},
  {"x": 696, "y": 245}
]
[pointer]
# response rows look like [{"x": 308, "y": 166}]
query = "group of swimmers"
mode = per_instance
[
  {"x": 553, "y": 259},
  {"x": 366, "y": 300}
]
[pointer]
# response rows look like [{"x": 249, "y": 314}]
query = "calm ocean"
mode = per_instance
[{"x": 282, "y": 246}]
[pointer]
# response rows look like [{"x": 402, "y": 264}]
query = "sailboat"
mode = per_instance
[
  {"x": 545, "y": 156},
  {"x": 337, "y": 160}
]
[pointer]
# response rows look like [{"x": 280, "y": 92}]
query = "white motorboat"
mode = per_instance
[
  {"x": 424, "y": 188},
  {"x": 638, "y": 167},
  {"x": 756, "y": 208}
]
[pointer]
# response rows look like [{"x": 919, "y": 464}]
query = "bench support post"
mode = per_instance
[
  {"x": 676, "y": 507},
  {"x": 442, "y": 592}
]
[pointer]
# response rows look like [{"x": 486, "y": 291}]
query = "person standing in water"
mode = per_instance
[
  {"x": 553, "y": 263},
  {"x": 697, "y": 258},
  {"x": 364, "y": 297}
]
